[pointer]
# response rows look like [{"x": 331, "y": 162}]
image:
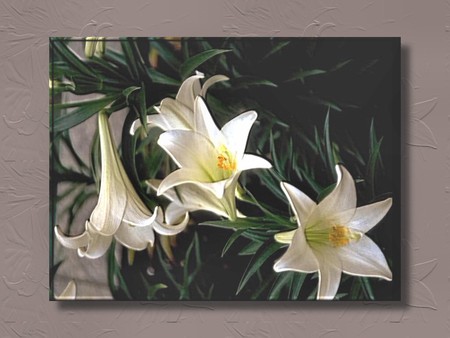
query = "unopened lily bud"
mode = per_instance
[{"x": 94, "y": 46}]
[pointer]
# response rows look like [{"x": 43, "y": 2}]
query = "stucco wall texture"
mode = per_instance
[{"x": 25, "y": 28}]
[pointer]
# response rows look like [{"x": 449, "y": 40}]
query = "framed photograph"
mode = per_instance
[{"x": 225, "y": 169}]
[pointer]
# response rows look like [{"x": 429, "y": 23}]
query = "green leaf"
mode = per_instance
[
  {"x": 165, "y": 267},
  {"x": 355, "y": 289},
  {"x": 267, "y": 250},
  {"x": 160, "y": 78},
  {"x": 268, "y": 280},
  {"x": 191, "y": 64},
  {"x": 328, "y": 146},
  {"x": 296, "y": 285},
  {"x": 117, "y": 59},
  {"x": 109, "y": 69},
  {"x": 84, "y": 111},
  {"x": 130, "y": 58},
  {"x": 367, "y": 287},
  {"x": 165, "y": 50},
  {"x": 244, "y": 223},
  {"x": 71, "y": 57},
  {"x": 303, "y": 74},
  {"x": 341, "y": 65},
  {"x": 275, "y": 49},
  {"x": 231, "y": 240},
  {"x": 314, "y": 185},
  {"x": 152, "y": 289},
  {"x": 128, "y": 91},
  {"x": 249, "y": 81},
  {"x": 321, "y": 101},
  {"x": 251, "y": 248},
  {"x": 283, "y": 279},
  {"x": 374, "y": 157},
  {"x": 114, "y": 273}
]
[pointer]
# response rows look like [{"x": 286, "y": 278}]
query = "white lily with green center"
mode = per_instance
[
  {"x": 119, "y": 212},
  {"x": 209, "y": 157},
  {"x": 331, "y": 236},
  {"x": 178, "y": 113}
]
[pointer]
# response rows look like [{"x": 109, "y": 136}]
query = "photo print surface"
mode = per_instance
[{"x": 225, "y": 169}]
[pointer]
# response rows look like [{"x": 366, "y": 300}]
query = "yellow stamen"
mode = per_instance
[
  {"x": 225, "y": 159},
  {"x": 341, "y": 235}
]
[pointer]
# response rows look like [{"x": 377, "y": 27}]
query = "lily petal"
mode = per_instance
[
  {"x": 298, "y": 257},
  {"x": 189, "y": 197},
  {"x": 364, "y": 258},
  {"x": 135, "y": 126},
  {"x": 135, "y": 238},
  {"x": 342, "y": 198},
  {"x": 329, "y": 273},
  {"x": 176, "y": 114},
  {"x": 212, "y": 80},
  {"x": 98, "y": 244},
  {"x": 188, "y": 149},
  {"x": 189, "y": 89},
  {"x": 250, "y": 161},
  {"x": 174, "y": 212},
  {"x": 366, "y": 217},
  {"x": 195, "y": 197},
  {"x": 170, "y": 230},
  {"x": 187, "y": 175},
  {"x": 102, "y": 219},
  {"x": 136, "y": 213},
  {"x": 302, "y": 204},
  {"x": 204, "y": 123},
  {"x": 72, "y": 242},
  {"x": 156, "y": 120},
  {"x": 236, "y": 132}
]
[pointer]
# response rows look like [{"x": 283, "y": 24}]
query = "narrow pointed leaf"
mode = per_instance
[
  {"x": 191, "y": 64},
  {"x": 231, "y": 241},
  {"x": 82, "y": 113},
  {"x": 257, "y": 261},
  {"x": 281, "y": 282},
  {"x": 303, "y": 74},
  {"x": 71, "y": 57},
  {"x": 275, "y": 49}
]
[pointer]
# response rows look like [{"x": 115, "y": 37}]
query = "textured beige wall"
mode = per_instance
[{"x": 24, "y": 30}]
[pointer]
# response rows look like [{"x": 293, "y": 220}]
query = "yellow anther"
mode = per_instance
[
  {"x": 225, "y": 160},
  {"x": 341, "y": 235}
]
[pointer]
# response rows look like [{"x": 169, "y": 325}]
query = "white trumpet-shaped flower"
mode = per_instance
[
  {"x": 119, "y": 212},
  {"x": 178, "y": 113},
  {"x": 211, "y": 158},
  {"x": 331, "y": 236}
]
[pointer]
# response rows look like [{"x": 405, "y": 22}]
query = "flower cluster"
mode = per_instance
[{"x": 330, "y": 237}]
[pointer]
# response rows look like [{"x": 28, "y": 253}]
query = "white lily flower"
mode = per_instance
[
  {"x": 211, "y": 158},
  {"x": 119, "y": 212},
  {"x": 331, "y": 236},
  {"x": 178, "y": 113},
  {"x": 190, "y": 197}
]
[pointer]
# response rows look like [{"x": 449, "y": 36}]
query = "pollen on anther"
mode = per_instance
[
  {"x": 341, "y": 235},
  {"x": 225, "y": 161}
]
